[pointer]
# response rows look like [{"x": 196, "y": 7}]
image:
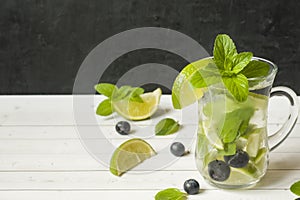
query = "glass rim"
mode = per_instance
[{"x": 272, "y": 72}]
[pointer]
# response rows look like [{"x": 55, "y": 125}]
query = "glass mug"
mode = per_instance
[{"x": 233, "y": 146}]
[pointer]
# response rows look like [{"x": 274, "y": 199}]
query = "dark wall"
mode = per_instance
[{"x": 43, "y": 42}]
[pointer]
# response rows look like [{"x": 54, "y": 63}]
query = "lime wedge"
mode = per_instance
[
  {"x": 260, "y": 155},
  {"x": 212, "y": 135},
  {"x": 260, "y": 101},
  {"x": 133, "y": 110},
  {"x": 248, "y": 172},
  {"x": 253, "y": 144},
  {"x": 129, "y": 154},
  {"x": 183, "y": 93},
  {"x": 241, "y": 143}
]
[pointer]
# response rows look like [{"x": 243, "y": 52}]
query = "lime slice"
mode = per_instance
[
  {"x": 248, "y": 172},
  {"x": 129, "y": 154},
  {"x": 260, "y": 155},
  {"x": 183, "y": 93},
  {"x": 133, "y": 110},
  {"x": 212, "y": 135},
  {"x": 253, "y": 144},
  {"x": 260, "y": 101},
  {"x": 241, "y": 143}
]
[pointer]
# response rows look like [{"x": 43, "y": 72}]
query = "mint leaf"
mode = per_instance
[
  {"x": 256, "y": 68},
  {"x": 228, "y": 64},
  {"x": 129, "y": 93},
  {"x": 235, "y": 124},
  {"x": 106, "y": 89},
  {"x": 138, "y": 91},
  {"x": 122, "y": 93},
  {"x": 104, "y": 108},
  {"x": 237, "y": 85},
  {"x": 240, "y": 61},
  {"x": 206, "y": 76},
  {"x": 171, "y": 194},
  {"x": 223, "y": 48},
  {"x": 166, "y": 126},
  {"x": 229, "y": 149},
  {"x": 135, "y": 95},
  {"x": 295, "y": 188}
]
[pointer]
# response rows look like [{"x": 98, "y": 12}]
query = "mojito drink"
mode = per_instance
[
  {"x": 232, "y": 144},
  {"x": 232, "y": 89}
]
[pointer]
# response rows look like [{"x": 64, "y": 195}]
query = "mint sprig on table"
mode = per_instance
[
  {"x": 166, "y": 126},
  {"x": 295, "y": 188},
  {"x": 171, "y": 194},
  {"x": 113, "y": 93},
  {"x": 232, "y": 68}
]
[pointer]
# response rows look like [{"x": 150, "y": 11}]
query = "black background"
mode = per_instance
[{"x": 43, "y": 42}]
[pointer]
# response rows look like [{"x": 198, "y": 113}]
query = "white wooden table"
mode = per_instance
[{"x": 41, "y": 156}]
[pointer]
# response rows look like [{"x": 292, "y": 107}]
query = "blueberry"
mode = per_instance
[
  {"x": 123, "y": 127},
  {"x": 191, "y": 186},
  {"x": 218, "y": 170},
  {"x": 238, "y": 160},
  {"x": 177, "y": 149}
]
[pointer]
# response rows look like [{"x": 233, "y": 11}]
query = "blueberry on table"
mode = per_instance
[
  {"x": 218, "y": 170},
  {"x": 238, "y": 160},
  {"x": 191, "y": 186},
  {"x": 177, "y": 149},
  {"x": 123, "y": 127}
]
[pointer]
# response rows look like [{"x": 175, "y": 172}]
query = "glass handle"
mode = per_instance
[{"x": 276, "y": 139}]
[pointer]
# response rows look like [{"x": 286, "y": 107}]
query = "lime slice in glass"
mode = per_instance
[
  {"x": 246, "y": 173},
  {"x": 212, "y": 135},
  {"x": 260, "y": 155},
  {"x": 253, "y": 144}
]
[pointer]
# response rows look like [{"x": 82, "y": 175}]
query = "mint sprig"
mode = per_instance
[
  {"x": 234, "y": 69},
  {"x": 114, "y": 94}
]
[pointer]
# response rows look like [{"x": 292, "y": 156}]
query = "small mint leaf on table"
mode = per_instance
[
  {"x": 106, "y": 89},
  {"x": 223, "y": 48},
  {"x": 256, "y": 68},
  {"x": 171, "y": 194},
  {"x": 237, "y": 85},
  {"x": 166, "y": 126},
  {"x": 104, "y": 108},
  {"x": 295, "y": 188}
]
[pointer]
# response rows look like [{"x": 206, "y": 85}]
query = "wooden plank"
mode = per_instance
[
  {"x": 100, "y": 180},
  {"x": 145, "y": 195},
  {"x": 57, "y": 162},
  {"x": 74, "y": 146},
  {"x": 59, "y": 110},
  {"x": 71, "y": 132}
]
